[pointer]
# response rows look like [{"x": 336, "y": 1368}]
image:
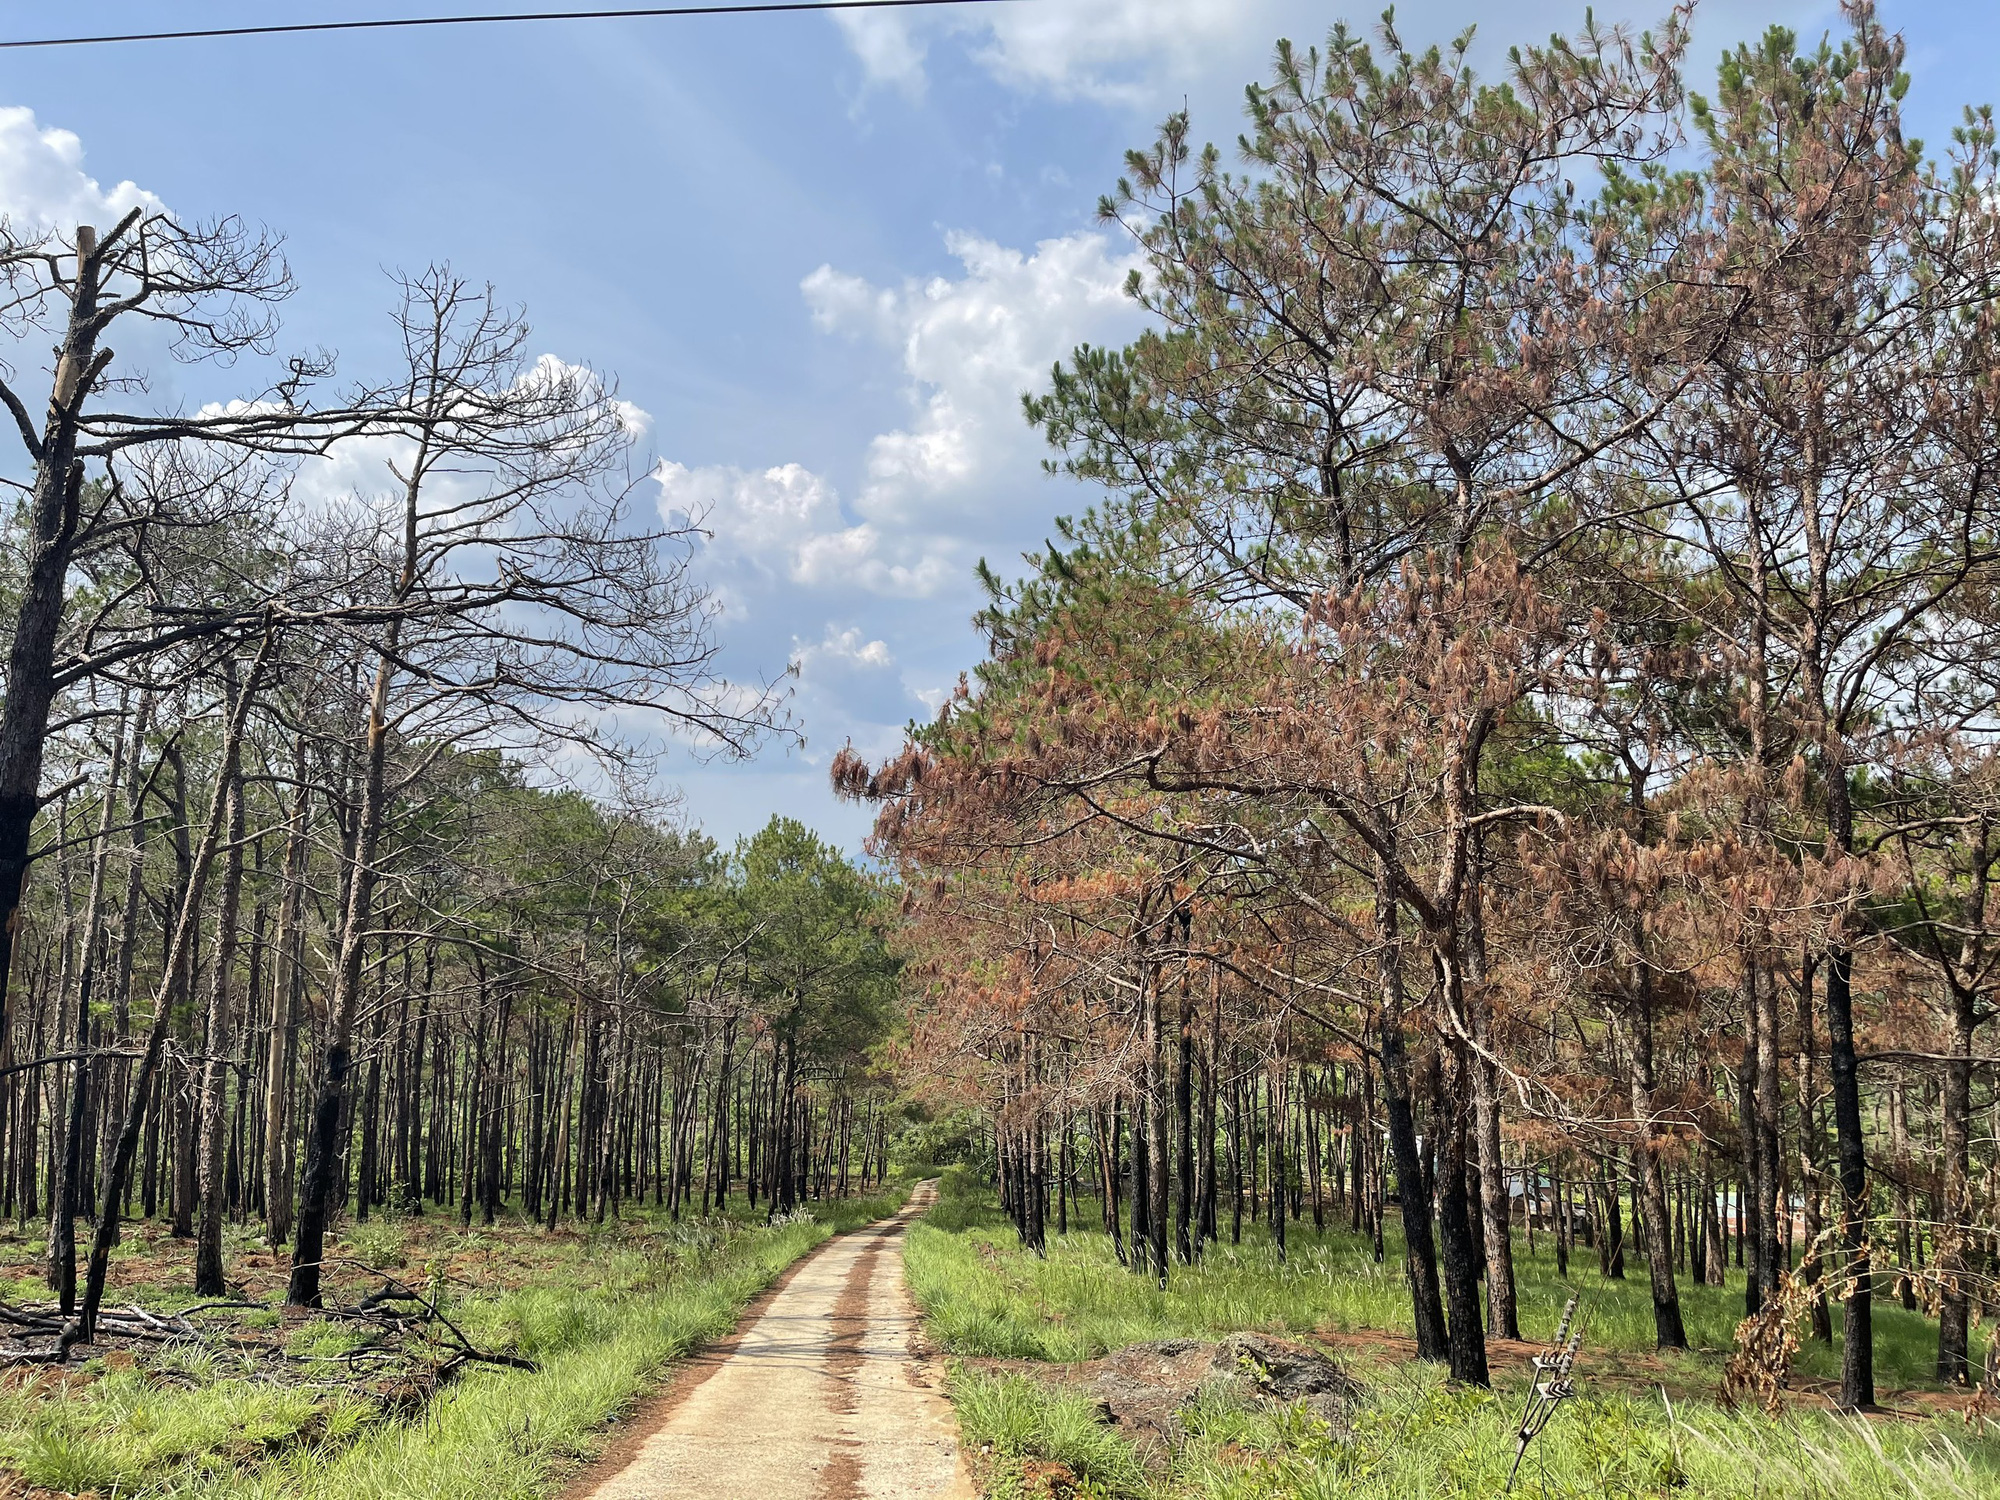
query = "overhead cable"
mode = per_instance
[{"x": 651, "y": 12}]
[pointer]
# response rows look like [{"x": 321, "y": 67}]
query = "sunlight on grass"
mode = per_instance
[
  {"x": 982, "y": 1297},
  {"x": 615, "y": 1307},
  {"x": 1416, "y": 1437}
]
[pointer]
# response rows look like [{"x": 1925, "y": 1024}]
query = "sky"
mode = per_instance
[{"x": 825, "y": 256}]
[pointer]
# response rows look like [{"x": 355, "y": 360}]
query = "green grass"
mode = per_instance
[
  {"x": 1016, "y": 1417},
  {"x": 1418, "y": 1437},
  {"x": 634, "y": 1297},
  {"x": 125, "y": 1432},
  {"x": 1415, "y": 1437},
  {"x": 982, "y": 1297}
]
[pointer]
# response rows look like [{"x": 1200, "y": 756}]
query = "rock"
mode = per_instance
[
  {"x": 1141, "y": 1389},
  {"x": 1144, "y": 1390},
  {"x": 1259, "y": 1368}
]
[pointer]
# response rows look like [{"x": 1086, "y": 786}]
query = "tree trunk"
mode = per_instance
[
  {"x": 323, "y": 1143},
  {"x": 208, "y": 1278},
  {"x": 67, "y": 1193},
  {"x": 173, "y": 985},
  {"x": 1954, "y": 1358},
  {"x": 1637, "y": 1043},
  {"x": 52, "y": 516},
  {"x": 1419, "y": 1250}
]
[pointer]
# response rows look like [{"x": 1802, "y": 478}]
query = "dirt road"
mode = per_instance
[{"x": 822, "y": 1396}]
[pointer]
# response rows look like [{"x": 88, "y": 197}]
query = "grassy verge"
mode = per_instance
[
  {"x": 601, "y": 1313},
  {"x": 1643, "y": 1426}
]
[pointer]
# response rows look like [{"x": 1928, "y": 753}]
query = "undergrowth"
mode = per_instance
[
  {"x": 981, "y": 1296},
  {"x": 1414, "y": 1437},
  {"x": 609, "y": 1309}
]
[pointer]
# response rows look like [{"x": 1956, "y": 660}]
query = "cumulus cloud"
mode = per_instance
[
  {"x": 850, "y": 687},
  {"x": 935, "y": 491},
  {"x": 847, "y": 647},
  {"x": 784, "y": 524},
  {"x": 367, "y": 470},
  {"x": 1117, "y": 50},
  {"x": 968, "y": 348},
  {"x": 42, "y": 181},
  {"x": 884, "y": 557},
  {"x": 1143, "y": 53}
]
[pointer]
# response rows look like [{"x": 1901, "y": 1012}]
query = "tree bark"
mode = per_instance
[
  {"x": 1419, "y": 1252},
  {"x": 53, "y": 516},
  {"x": 67, "y": 1193},
  {"x": 208, "y": 1277},
  {"x": 323, "y": 1146},
  {"x": 173, "y": 985},
  {"x": 1637, "y": 1043}
]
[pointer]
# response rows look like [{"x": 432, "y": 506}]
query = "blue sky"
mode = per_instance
[{"x": 824, "y": 256}]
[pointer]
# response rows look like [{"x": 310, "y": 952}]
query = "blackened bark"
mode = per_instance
[
  {"x": 1466, "y": 1330},
  {"x": 208, "y": 1278},
  {"x": 1668, "y": 1330},
  {"x": 1184, "y": 1111},
  {"x": 53, "y": 518},
  {"x": 173, "y": 985},
  {"x": 323, "y": 1142}
]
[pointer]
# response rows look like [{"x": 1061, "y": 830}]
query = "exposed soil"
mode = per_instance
[
  {"x": 1141, "y": 1390},
  {"x": 824, "y": 1393}
]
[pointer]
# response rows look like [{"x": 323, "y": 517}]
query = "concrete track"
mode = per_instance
[{"x": 822, "y": 1395}]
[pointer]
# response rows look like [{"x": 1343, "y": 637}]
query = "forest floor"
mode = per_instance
[
  {"x": 378, "y": 1398},
  {"x": 1049, "y": 1406}
]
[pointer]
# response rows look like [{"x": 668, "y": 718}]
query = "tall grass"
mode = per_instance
[
  {"x": 1414, "y": 1437},
  {"x": 1418, "y": 1439},
  {"x": 601, "y": 1329},
  {"x": 983, "y": 1297},
  {"x": 1016, "y": 1417}
]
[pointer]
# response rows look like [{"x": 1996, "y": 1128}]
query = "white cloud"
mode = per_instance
[
  {"x": 852, "y": 690},
  {"x": 785, "y": 524},
  {"x": 1154, "y": 54},
  {"x": 42, "y": 181},
  {"x": 845, "y": 646},
  {"x": 969, "y": 348},
  {"x": 945, "y": 485},
  {"x": 890, "y": 50},
  {"x": 1117, "y": 51},
  {"x": 885, "y": 557}
]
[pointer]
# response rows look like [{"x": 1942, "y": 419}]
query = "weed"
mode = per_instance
[
  {"x": 323, "y": 1338},
  {"x": 1414, "y": 1436},
  {"x": 1016, "y": 1417},
  {"x": 380, "y": 1244}
]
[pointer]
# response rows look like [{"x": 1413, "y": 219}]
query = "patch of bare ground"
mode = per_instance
[{"x": 1143, "y": 1390}]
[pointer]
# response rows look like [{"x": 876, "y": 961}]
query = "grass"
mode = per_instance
[
  {"x": 602, "y": 1312},
  {"x": 1018, "y": 1418},
  {"x": 1643, "y": 1427},
  {"x": 1419, "y": 1439},
  {"x": 982, "y": 1297}
]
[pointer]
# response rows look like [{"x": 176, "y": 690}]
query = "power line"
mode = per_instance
[{"x": 647, "y": 13}]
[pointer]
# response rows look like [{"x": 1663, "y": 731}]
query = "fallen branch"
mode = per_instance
[{"x": 464, "y": 1350}]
